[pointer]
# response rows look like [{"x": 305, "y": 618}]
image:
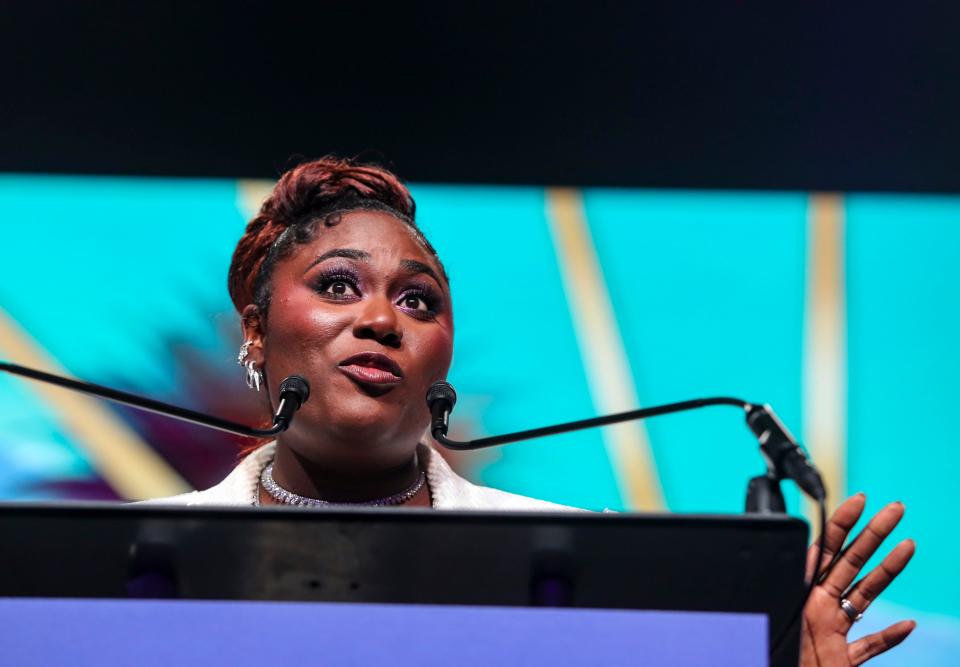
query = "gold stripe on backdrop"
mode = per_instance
[
  {"x": 601, "y": 347},
  {"x": 824, "y": 372},
  {"x": 126, "y": 462},
  {"x": 251, "y": 194}
]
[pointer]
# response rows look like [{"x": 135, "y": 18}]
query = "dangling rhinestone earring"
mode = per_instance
[
  {"x": 254, "y": 374},
  {"x": 244, "y": 352}
]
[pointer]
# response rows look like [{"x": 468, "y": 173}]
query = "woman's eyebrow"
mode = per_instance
[
  {"x": 413, "y": 266},
  {"x": 349, "y": 253}
]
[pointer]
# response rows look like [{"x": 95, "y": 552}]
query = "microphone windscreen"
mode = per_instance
[
  {"x": 295, "y": 387},
  {"x": 441, "y": 391}
]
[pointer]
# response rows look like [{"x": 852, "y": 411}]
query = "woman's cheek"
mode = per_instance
[
  {"x": 439, "y": 352},
  {"x": 309, "y": 324}
]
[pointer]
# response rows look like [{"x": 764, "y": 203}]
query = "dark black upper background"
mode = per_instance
[{"x": 798, "y": 95}]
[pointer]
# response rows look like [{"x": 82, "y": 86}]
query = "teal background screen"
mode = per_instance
[{"x": 122, "y": 281}]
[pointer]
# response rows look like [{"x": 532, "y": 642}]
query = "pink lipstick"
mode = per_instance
[{"x": 372, "y": 368}]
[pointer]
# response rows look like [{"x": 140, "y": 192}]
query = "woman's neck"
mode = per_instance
[{"x": 295, "y": 473}]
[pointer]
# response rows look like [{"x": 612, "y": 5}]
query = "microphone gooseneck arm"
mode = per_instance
[
  {"x": 785, "y": 459},
  {"x": 592, "y": 422},
  {"x": 294, "y": 391}
]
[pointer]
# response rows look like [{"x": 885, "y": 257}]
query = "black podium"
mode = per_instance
[{"x": 458, "y": 566}]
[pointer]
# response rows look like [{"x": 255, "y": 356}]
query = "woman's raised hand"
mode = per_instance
[{"x": 825, "y": 621}]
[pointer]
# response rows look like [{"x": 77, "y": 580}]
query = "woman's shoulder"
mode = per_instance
[
  {"x": 485, "y": 497},
  {"x": 237, "y": 488},
  {"x": 451, "y": 491}
]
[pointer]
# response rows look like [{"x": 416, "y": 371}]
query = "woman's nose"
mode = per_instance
[{"x": 378, "y": 320}]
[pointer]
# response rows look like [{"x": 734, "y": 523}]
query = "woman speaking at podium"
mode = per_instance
[{"x": 334, "y": 281}]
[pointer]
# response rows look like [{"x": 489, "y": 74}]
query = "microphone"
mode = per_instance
[
  {"x": 294, "y": 392},
  {"x": 441, "y": 398},
  {"x": 783, "y": 455},
  {"x": 782, "y": 452}
]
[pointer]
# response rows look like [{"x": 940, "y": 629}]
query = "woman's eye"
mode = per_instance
[
  {"x": 414, "y": 302},
  {"x": 339, "y": 288}
]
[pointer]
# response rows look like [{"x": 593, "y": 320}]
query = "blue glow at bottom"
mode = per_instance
[{"x": 202, "y": 633}]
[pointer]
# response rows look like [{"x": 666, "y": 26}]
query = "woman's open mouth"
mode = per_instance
[{"x": 372, "y": 368}]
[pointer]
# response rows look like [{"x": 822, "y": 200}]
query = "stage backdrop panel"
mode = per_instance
[{"x": 840, "y": 310}]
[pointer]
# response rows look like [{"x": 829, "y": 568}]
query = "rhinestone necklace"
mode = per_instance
[{"x": 281, "y": 495}]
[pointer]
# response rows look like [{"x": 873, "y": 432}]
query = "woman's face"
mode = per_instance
[{"x": 364, "y": 314}]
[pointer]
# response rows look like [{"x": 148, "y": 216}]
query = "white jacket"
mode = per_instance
[{"x": 448, "y": 490}]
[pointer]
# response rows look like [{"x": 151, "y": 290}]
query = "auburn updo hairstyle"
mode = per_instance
[{"x": 306, "y": 199}]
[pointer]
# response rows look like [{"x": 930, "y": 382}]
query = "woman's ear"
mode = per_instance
[{"x": 251, "y": 321}]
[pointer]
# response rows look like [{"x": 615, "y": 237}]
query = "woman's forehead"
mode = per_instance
[{"x": 377, "y": 234}]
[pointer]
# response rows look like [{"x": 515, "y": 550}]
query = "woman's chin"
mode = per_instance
[
  {"x": 369, "y": 421},
  {"x": 353, "y": 443}
]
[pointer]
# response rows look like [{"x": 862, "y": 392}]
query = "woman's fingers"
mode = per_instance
[
  {"x": 839, "y": 525},
  {"x": 871, "y": 586},
  {"x": 854, "y": 557},
  {"x": 873, "y": 645}
]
